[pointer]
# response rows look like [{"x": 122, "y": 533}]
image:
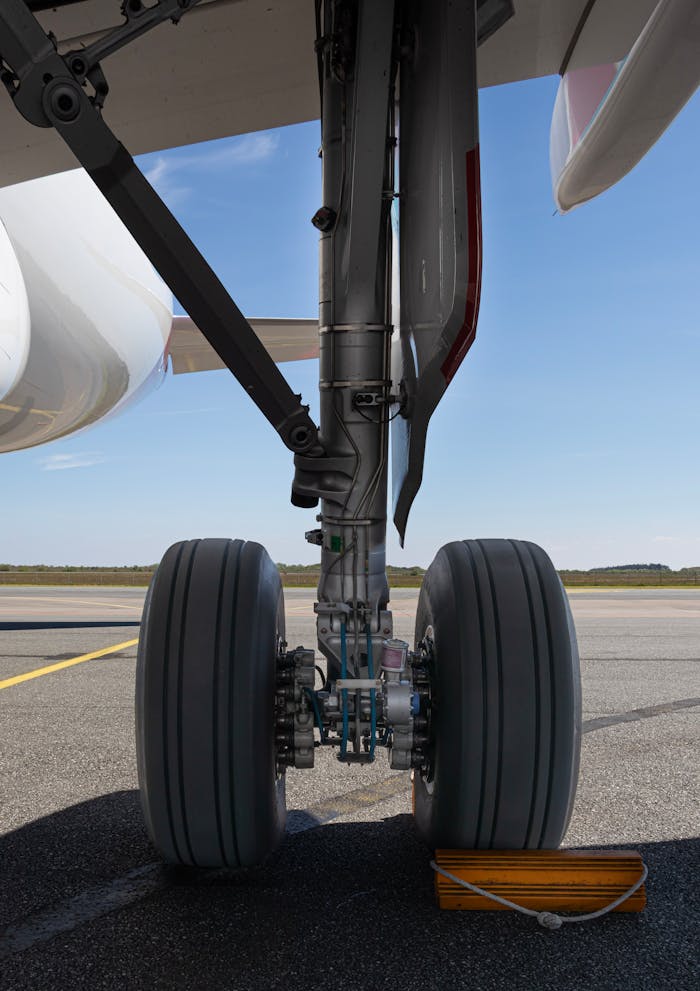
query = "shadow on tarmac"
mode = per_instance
[{"x": 348, "y": 905}]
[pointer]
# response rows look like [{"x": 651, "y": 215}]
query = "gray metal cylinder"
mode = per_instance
[{"x": 354, "y": 298}]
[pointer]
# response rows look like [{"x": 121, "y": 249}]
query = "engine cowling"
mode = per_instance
[
  {"x": 85, "y": 321},
  {"x": 14, "y": 318}
]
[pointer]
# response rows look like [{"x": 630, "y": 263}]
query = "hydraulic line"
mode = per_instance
[
  {"x": 317, "y": 712},
  {"x": 344, "y": 691},
  {"x": 372, "y": 693}
]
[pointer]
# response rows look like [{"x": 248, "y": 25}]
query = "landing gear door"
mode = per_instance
[{"x": 439, "y": 225}]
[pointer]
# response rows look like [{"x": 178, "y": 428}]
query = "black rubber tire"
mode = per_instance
[
  {"x": 505, "y": 723},
  {"x": 205, "y": 697}
]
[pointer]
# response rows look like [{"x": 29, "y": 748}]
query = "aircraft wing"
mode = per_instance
[
  {"x": 234, "y": 66},
  {"x": 285, "y": 339}
]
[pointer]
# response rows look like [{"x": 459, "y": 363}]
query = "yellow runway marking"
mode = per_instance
[
  {"x": 38, "y": 672},
  {"x": 83, "y": 602},
  {"x": 97, "y": 602}
]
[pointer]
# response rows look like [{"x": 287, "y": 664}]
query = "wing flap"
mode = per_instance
[{"x": 284, "y": 338}]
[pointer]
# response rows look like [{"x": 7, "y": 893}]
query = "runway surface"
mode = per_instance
[{"x": 348, "y": 901}]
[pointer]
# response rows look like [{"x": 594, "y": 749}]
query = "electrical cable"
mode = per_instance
[{"x": 378, "y": 422}]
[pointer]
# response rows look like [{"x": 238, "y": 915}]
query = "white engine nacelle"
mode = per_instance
[
  {"x": 14, "y": 318},
  {"x": 84, "y": 318}
]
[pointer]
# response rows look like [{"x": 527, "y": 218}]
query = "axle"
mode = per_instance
[{"x": 388, "y": 709}]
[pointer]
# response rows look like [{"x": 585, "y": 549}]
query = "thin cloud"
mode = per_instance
[
  {"x": 245, "y": 150},
  {"x": 160, "y": 176},
  {"x": 165, "y": 173},
  {"x": 61, "y": 462},
  {"x": 157, "y": 171}
]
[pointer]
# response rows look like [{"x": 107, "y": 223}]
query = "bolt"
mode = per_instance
[
  {"x": 65, "y": 102},
  {"x": 299, "y": 437}
]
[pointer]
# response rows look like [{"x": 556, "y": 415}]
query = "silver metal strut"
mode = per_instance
[{"x": 354, "y": 298}]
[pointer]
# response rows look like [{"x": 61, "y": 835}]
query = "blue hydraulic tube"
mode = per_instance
[
  {"x": 317, "y": 712},
  {"x": 372, "y": 693},
  {"x": 344, "y": 691}
]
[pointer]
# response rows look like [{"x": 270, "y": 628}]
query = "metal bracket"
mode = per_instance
[{"x": 48, "y": 93}]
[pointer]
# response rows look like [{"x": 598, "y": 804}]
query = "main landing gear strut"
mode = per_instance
[{"x": 484, "y": 708}]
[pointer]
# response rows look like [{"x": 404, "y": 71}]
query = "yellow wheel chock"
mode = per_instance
[{"x": 541, "y": 883}]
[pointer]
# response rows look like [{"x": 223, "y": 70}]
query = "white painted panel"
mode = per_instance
[
  {"x": 100, "y": 315},
  {"x": 14, "y": 317}
]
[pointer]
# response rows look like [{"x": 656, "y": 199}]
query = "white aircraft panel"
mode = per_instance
[{"x": 607, "y": 117}]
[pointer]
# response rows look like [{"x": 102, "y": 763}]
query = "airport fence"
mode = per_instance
[
  {"x": 631, "y": 579},
  {"x": 293, "y": 579},
  {"x": 75, "y": 577},
  {"x": 309, "y": 579}
]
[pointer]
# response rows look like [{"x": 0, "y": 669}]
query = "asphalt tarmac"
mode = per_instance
[{"x": 347, "y": 902}]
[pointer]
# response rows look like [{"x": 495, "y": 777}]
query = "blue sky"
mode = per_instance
[{"x": 574, "y": 420}]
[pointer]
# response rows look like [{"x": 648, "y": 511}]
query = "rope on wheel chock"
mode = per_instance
[{"x": 563, "y": 880}]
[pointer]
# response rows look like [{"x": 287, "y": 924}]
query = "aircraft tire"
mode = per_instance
[
  {"x": 505, "y": 711},
  {"x": 205, "y": 705}
]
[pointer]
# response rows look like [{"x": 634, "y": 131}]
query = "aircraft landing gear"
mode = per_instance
[
  {"x": 495, "y": 629},
  {"x": 212, "y": 633},
  {"x": 486, "y": 709}
]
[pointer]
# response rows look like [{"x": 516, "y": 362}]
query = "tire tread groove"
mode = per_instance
[
  {"x": 215, "y": 681},
  {"x": 484, "y": 706},
  {"x": 517, "y": 547},
  {"x": 179, "y": 703},
  {"x": 552, "y": 703},
  {"x": 230, "y": 698},
  {"x": 166, "y": 669},
  {"x": 499, "y": 681}
]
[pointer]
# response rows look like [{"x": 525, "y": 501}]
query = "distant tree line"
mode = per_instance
[
  {"x": 634, "y": 567},
  {"x": 293, "y": 569},
  {"x": 629, "y": 574},
  {"x": 76, "y": 567}
]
